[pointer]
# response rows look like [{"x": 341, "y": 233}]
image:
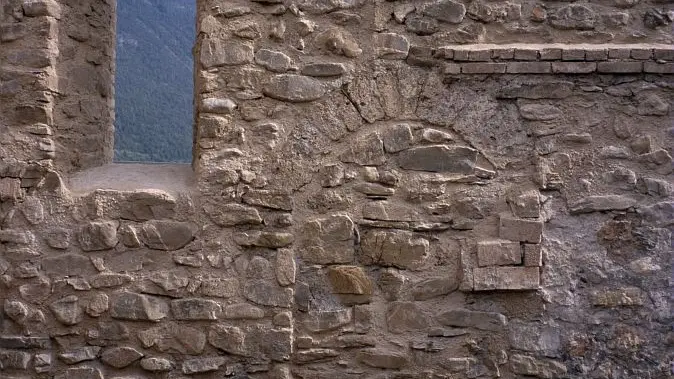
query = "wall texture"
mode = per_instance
[{"x": 384, "y": 189}]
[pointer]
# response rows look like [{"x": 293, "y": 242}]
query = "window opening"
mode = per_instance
[{"x": 154, "y": 81}]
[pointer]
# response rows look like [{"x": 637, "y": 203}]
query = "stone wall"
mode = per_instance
[{"x": 370, "y": 201}]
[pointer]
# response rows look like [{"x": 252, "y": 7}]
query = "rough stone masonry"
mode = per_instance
[{"x": 436, "y": 189}]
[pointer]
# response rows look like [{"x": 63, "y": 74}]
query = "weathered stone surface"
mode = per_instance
[
  {"x": 156, "y": 364},
  {"x": 120, "y": 357},
  {"x": 490, "y": 321},
  {"x": 445, "y": 11},
  {"x": 98, "y": 236},
  {"x": 67, "y": 310},
  {"x": 232, "y": 214},
  {"x": 264, "y": 292},
  {"x": 98, "y": 305},
  {"x": 218, "y": 287},
  {"x": 525, "y": 203},
  {"x": 321, "y": 321},
  {"x": 218, "y": 53},
  {"x": 498, "y": 253},
  {"x": 80, "y": 354},
  {"x": 242, "y": 311},
  {"x": 439, "y": 158},
  {"x": 11, "y": 359},
  {"x": 327, "y": 240},
  {"x": 535, "y": 337},
  {"x": 393, "y": 248},
  {"x": 391, "y": 46},
  {"x": 285, "y": 267},
  {"x": 324, "y": 69},
  {"x": 520, "y": 229},
  {"x": 397, "y": 138},
  {"x": 340, "y": 42},
  {"x": 366, "y": 151},
  {"x": 24, "y": 342},
  {"x": 269, "y": 199},
  {"x": 506, "y": 278},
  {"x": 68, "y": 265},
  {"x": 202, "y": 365},
  {"x": 195, "y": 309},
  {"x": 539, "y": 112},
  {"x": 80, "y": 373},
  {"x": 272, "y": 240},
  {"x": 349, "y": 280},
  {"x": 628, "y": 296},
  {"x": 402, "y": 317},
  {"x": 227, "y": 338},
  {"x": 541, "y": 368},
  {"x": 381, "y": 358},
  {"x": 167, "y": 235},
  {"x": 274, "y": 61},
  {"x": 434, "y": 287},
  {"x": 573, "y": 16},
  {"x": 147, "y": 204},
  {"x": 601, "y": 203},
  {"x": 294, "y": 88},
  {"x": 535, "y": 91},
  {"x": 174, "y": 338},
  {"x": 108, "y": 280},
  {"x": 133, "y": 306}
]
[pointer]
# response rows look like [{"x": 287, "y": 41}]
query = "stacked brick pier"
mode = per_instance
[{"x": 380, "y": 189}]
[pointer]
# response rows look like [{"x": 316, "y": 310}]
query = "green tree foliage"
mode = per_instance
[{"x": 154, "y": 80}]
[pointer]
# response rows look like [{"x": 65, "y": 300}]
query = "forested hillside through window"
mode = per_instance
[{"x": 154, "y": 82}]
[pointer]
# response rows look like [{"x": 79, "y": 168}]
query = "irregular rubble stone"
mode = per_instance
[
  {"x": 324, "y": 69},
  {"x": 573, "y": 16},
  {"x": 390, "y": 283},
  {"x": 264, "y": 292},
  {"x": 133, "y": 306},
  {"x": 218, "y": 53},
  {"x": 242, "y": 311},
  {"x": 23, "y": 342},
  {"x": 349, "y": 280},
  {"x": 391, "y": 46},
  {"x": 542, "y": 368},
  {"x": 294, "y": 88},
  {"x": 321, "y": 321},
  {"x": 402, "y": 317},
  {"x": 490, "y": 321},
  {"x": 97, "y": 305},
  {"x": 525, "y": 203},
  {"x": 439, "y": 158},
  {"x": 367, "y": 151},
  {"x": 539, "y": 112},
  {"x": 174, "y": 338},
  {"x": 156, "y": 364},
  {"x": 147, "y": 204},
  {"x": 339, "y": 42},
  {"x": 108, "y": 280},
  {"x": 215, "y": 105},
  {"x": 11, "y": 359},
  {"x": 67, "y": 310},
  {"x": 629, "y": 296},
  {"x": 219, "y": 287},
  {"x": 232, "y": 214},
  {"x": 601, "y": 203},
  {"x": 98, "y": 236},
  {"x": 202, "y": 365},
  {"x": 535, "y": 91},
  {"x": 445, "y": 11},
  {"x": 80, "y": 373},
  {"x": 535, "y": 337},
  {"x": 167, "y": 235},
  {"x": 269, "y": 199},
  {"x": 80, "y": 354},
  {"x": 227, "y": 338},
  {"x": 327, "y": 240},
  {"x": 195, "y": 309},
  {"x": 506, "y": 278},
  {"x": 397, "y": 138},
  {"x": 274, "y": 61},
  {"x": 120, "y": 357},
  {"x": 393, "y": 248},
  {"x": 434, "y": 287},
  {"x": 285, "y": 267},
  {"x": 381, "y": 358},
  {"x": 272, "y": 240}
]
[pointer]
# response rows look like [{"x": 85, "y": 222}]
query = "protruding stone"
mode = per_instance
[
  {"x": 445, "y": 11},
  {"x": 525, "y": 203},
  {"x": 215, "y": 52},
  {"x": 133, "y": 306},
  {"x": 156, "y": 364},
  {"x": 520, "y": 229},
  {"x": 242, "y": 311},
  {"x": 285, "y": 267},
  {"x": 264, "y": 292},
  {"x": 393, "y": 248},
  {"x": 202, "y": 365},
  {"x": 37, "y": 8},
  {"x": 402, "y": 317},
  {"x": 328, "y": 240},
  {"x": 279, "y": 200},
  {"x": 120, "y": 357},
  {"x": 294, "y": 88},
  {"x": 109, "y": 279},
  {"x": 273, "y": 240},
  {"x": 100, "y": 235},
  {"x": 324, "y": 69},
  {"x": 434, "y": 287},
  {"x": 349, "y": 280},
  {"x": 227, "y": 338},
  {"x": 195, "y": 309},
  {"x": 381, "y": 358},
  {"x": 232, "y": 214},
  {"x": 339, "y": 42},
  {"x": 439, "y": 158},
  {"x": 602, "y": 203},
  {"x": 167, "y": 234},
  {"x": 97, "y": 305},
  {"x": 397, "y": 138},
  {"x": 217, "y": 105},
  {"x": 541, "y": 368},
  {"x": 498, "y": 253},
  {"x": 274, "y": 61},
  {"x": 391, "y": 46},
  {"x": 366, "y": 151},
  {"x": 490, "y": 321},
  {"x": 67, "y": 310}
]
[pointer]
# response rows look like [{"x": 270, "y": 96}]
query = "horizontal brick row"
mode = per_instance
[
  {"x": 560, "y": 67},
  {"x": 553, "y": 54}
]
